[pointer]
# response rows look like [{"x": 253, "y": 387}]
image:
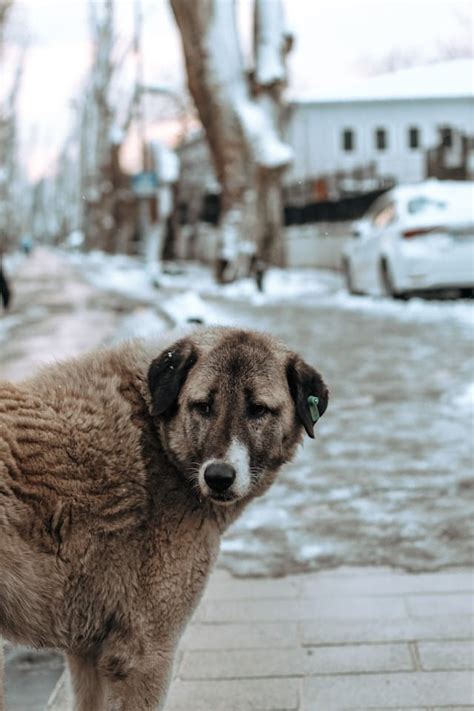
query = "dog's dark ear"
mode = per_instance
[
  {"x": 167, "y": 374},
  {"x": 303, "y": 382}
]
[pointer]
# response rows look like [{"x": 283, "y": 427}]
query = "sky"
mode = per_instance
[{"x": 335, "y": 41}]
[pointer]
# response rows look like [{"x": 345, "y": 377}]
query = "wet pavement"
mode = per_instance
[{"x": 389, "y": 479}]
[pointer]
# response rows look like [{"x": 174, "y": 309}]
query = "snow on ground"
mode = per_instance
[
  {"x": 416, "y": 309},
  {"x": 193, "y": 283},
  {"x": 465, "y": 399},
  {"x": 7, "y": 323},
  {"x": 117, "y": 273},
  {"x": 142, "y": 322}
]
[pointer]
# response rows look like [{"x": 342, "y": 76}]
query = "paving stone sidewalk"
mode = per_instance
[{"x": 353, "y": 638}]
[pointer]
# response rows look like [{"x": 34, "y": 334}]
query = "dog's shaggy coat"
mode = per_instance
[{"x": 119, "y": 472}]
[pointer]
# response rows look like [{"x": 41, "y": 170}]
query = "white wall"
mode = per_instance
[
  {"x": 315, "y": 132},
  {"x": 317, "y": 245},
  {"x": 307, "y": 245}
]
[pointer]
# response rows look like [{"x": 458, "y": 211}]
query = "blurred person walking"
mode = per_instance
[{"x": 5, "y": 291}]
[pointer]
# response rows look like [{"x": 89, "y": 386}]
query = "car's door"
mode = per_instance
[
  {"x": 356, "y": 252},
  {"x": 382, "y": 218}
]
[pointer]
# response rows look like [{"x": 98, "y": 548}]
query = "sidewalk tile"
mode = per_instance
[
  {"x": 458, "y": 654},
  {"x": 241, "y": 695},
  {"x": 252, "y": 588},
  {"x": 427, "y": 605},
  {"x": 263, "y": 610},
  {"x": 399, "y": 708},
  {"x": 426, "y": 689},
  {"x": 267, "y": 635},
  {"x": 422, "y": 628},
  {"x": 295, "y": 662},
  {"x": 220, "y": 575},
  {"x": 395, "y": 584}
]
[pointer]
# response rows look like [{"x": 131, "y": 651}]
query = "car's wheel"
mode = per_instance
[
  {"x": 387, "y": 282},
  {"x": 348, "y": 278}
]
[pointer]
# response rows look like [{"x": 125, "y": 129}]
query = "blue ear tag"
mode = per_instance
[{"x": 313, "y": 403}]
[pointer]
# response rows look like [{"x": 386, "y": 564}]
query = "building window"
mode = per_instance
[
  {"x": 348, "y": 139},
  {"x": 381, "y": 139},
  {"x": 446, "y": 136},
  {"x": 414, "y": 137}
]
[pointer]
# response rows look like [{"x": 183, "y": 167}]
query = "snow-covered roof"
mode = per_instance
[{"x": 452, "y": 79}]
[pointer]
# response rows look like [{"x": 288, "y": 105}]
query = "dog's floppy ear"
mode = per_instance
[
  {"x": 305, "y": 382},
  {"x": 167, "y": 374}
]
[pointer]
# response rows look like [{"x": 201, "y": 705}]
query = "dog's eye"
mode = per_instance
[
  {"x": 202, "y": 408},
  {"x": 255, "y": 411}
]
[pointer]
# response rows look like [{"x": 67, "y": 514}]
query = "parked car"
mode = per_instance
[{"x": 414, "y": 238}]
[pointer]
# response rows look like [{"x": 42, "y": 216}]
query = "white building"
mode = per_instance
[
  {"x": 390, "y": 121},
  {"x": 351, "y": 145}
]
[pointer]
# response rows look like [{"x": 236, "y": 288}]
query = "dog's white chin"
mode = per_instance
[{"x": 222, "y": 501}]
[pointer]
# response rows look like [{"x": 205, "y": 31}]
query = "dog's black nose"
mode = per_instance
[{"x": 219, "y": 477}]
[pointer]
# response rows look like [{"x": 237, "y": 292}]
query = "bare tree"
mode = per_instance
[
  {"x": 5, "y": 7},
  {"x": 96, "y": 130},
  {"x": 106, "y": 112},
  {"x": 393, "y": 60},
  {"x": 239, "y": 117},
  {"x": 459, "y": 45},
  {"x": 11, "y": 71}
]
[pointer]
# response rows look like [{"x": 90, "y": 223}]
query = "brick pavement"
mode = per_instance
[{"x": 360, "y": 638}]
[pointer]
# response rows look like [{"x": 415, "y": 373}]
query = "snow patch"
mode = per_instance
[
  {"x": 415, "y": 310},
  {"x": 190, "y": 305},
  {"x": 141, "y": 323},
  {"x": 310, "y": 551},
  {"x": 465, "y": 400}
]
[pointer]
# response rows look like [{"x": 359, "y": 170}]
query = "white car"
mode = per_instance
[{"x": 414, "y": 238}]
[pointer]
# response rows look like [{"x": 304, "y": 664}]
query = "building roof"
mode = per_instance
[{"x": 452, "y": 79}]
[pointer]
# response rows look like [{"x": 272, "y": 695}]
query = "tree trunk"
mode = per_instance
[
  {"x": 271, "y": 245},
  {"x": 215, "y": 80},
  {"x": 11, "y": 73},
  {"x": 240, "y": 133},
  {"x": 272, "y": 42},
  {"x": 97, "y": 131}
]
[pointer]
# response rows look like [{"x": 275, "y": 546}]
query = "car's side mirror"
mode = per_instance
[{"x": 360, "y": 230}]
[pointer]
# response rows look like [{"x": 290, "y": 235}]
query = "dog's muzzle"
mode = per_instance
[
  {"x": 227, "y": 479},
  {"x": 219, "y": 477}
]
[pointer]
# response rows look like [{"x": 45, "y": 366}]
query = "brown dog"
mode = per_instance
[{"x": 119, "y": 472}]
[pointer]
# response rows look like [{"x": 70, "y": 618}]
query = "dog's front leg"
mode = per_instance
[
  {"x": 143, "y": 687},
  {"x": 87, "y": 684}
]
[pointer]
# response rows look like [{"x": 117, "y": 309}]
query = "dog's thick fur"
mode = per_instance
[{"x": 108, "y": 526}]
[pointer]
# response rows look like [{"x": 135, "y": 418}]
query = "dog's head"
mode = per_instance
[{"x": 231, "y": 407}]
